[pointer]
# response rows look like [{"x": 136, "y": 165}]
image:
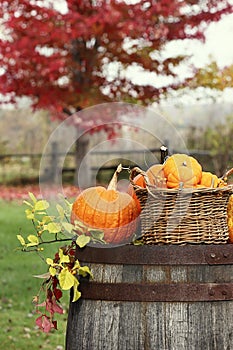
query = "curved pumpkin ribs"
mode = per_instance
[
  {"x": 181, "y": 169},
  {"x": 113, "y": 212},
  {"x": 156, "y": 176}
]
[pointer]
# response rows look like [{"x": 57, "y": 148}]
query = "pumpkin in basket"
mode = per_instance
[
  {"x": 210, "y": 180},
  {"x": 113, "y": 212},
  {"x": 181, "y": 169},
  {"x": 139, "y": 181},
  {"x": 156, "y": 176}
]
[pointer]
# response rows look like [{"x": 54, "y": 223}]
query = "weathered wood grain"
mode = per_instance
[{"x": 111, "y": 325}]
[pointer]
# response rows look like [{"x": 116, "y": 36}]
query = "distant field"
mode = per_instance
[{"x": 18, "y": 286}]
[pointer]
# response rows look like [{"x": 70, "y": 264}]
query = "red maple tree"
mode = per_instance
[
  {"x": 67, "y": 60},
  {"x": 61, "y": 59}
]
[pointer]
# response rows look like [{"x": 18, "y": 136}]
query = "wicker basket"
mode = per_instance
[{"x": 181, "y": 216}]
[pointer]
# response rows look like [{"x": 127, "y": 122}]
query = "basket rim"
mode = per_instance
[{"x": 148, "y": 188}]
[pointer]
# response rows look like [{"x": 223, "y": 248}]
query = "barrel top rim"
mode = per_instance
[{"x": 167, "y": 254}]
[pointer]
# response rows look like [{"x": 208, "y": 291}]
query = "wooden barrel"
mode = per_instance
[{"x": 154, "y": 298}]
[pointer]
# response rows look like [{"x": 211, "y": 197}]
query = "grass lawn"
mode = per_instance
[{"x": 18, "y": 286}]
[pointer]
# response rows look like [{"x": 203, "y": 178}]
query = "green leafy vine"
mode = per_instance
[{"x": 64, "y": 270}]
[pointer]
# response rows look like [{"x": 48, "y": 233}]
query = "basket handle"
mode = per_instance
[
  {"x": 226, "y": 174},
  {"x": 136, "y": 171}
]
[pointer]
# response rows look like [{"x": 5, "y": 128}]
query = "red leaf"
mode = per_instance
[
  {"x": 57, "y": 293},
  {"x": 44, "y": 323},
  {"x": 52, "y": 307}
]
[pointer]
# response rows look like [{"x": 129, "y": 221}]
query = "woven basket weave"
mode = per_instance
[{"x": 180, "y": 216}]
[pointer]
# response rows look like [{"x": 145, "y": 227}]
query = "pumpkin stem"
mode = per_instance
[{"x": 113, "y": 183}]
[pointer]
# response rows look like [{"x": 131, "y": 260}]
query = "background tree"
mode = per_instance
[
  {"x": 217, "y": 140},
  {"x": 213, "y": 77},
  {"x": 67, "y": 60}
]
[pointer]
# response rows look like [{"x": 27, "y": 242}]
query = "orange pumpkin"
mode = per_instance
[
  {"x": 156, "y": 176},
  {"x": 113, "y": 212},
  {"x": 181, "y": 169},
  {"x": 209, "y": 180},
  {"x": 139, "y": 181}
]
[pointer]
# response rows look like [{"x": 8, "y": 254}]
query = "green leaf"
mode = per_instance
[
  {"x": 33, "y": 198},
  {"x": 63, "y": 258},
  {"x": 66, "y": 279},
  {"x": 41, "y": 205},
  {"x": 77, "y": 293},
  {"x": 61, "y": 211},
  {"x": 21, "y": 239},
  {"x": 84, "y": 271},
  {"x": 53, "y": 227},
  {"x": 33, "y": 240},
  {"x": 80, "y": 224},
  {"x": 97, "y": 235},
  {"x": 68, "y": 227},
  {"x": 82, "y": 240},
  {"x": 49, "y": 261}
]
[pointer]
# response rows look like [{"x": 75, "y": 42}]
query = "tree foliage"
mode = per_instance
[
  {"x": 217, "y": 139},
  {"x": 214, "y": 77},
  {"x": 67, "y": 60}
]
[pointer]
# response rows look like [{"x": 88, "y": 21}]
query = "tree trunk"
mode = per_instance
[{"x": 82, "y": 178}]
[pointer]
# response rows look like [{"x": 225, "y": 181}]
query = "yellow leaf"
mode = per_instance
[
  {"x": 27, "y": 203},
  {"x": 33, "y": 239},
  {"x": 63, "y": 258},
  {"x": 66, "y": 279},
  {"x": 21, "y": 239},
  {"x": 29, "y": 214},
  {"x": 84, "y": 271},
  {"x": 52, "y": 271},
  {"x": 60, "y": 211},
  {"x": 67, "y": 226},
  {"x": 46, "y": 219},
  {"x": 41, "y": 205},
  {"x": 77, "y": 293},
  {"x": 82, "y": 240},
  {"x": 49, "y": 261},
  {"x": 76, "y": 265},
  {"x": 53, "y": 227},
  {"x": 33, "y": 198}
]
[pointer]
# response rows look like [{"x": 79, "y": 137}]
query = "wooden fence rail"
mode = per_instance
[{"x": 25, "y": 167}]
